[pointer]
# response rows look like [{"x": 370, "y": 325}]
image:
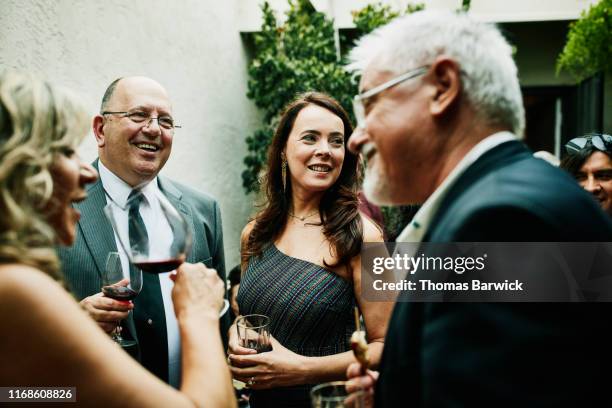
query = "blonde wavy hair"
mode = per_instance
[{"x": 37, "y": 122}]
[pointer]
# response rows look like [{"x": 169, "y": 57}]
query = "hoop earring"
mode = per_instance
[{"x": 284, "y": 174}]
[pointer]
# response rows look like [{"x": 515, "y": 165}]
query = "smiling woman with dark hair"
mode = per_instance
[{"x": 301, "y": 259}]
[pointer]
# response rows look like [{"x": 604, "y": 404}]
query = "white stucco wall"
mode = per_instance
[{"x": 192, "y": 47}]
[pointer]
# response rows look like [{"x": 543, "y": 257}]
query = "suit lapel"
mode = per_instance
[
  {"x": 97, "y": 230},
  {"x": 99, "y": 235}
]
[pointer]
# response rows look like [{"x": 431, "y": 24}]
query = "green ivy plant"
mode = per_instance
[
  {"x": 375, "y": 15},
  {"x": 589, "y": 43}
]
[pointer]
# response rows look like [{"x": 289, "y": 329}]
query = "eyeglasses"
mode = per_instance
[
  {"x": 358, "y": 107},
  {"x": 144, "y": 118},
  {"x": 601, "y": 142}
]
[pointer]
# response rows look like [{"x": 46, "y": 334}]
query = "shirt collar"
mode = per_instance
[
  {"x": 118, "y": 190},
  {"x": 416, "y": 229}
]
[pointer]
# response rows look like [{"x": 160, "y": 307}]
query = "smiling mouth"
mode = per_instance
[
  {"x": 147, "y": 147},
  {"x": 320, "y": 168}
]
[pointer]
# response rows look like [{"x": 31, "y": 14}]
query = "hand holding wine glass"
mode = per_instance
[
  {"x": 116, "y": 286},
  {"x": 197, "y": 291}
]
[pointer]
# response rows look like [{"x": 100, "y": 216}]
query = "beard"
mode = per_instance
[{"x": 376, "y": 188}]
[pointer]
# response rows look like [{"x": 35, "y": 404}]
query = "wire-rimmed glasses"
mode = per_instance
[
  {"x": 358, "y": 107},
  {"x": 145, "y": 119}
]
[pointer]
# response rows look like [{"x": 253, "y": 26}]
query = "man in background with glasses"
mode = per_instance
[
  {"x": 589, "y": 160},
  {"x": 439, "y": 116},
  {"x": 134, "y": 133}
]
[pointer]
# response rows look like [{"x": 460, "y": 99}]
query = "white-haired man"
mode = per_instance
[{"x": 439, "y": 114}]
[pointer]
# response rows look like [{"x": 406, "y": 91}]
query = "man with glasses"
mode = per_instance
[
  {"x": 589, "y": 160},
  {"x": 134, "y": 132},
  {"x": 439, "y": 117}
]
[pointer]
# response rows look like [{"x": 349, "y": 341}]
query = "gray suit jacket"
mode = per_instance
[{"x": 84, "y": 262}]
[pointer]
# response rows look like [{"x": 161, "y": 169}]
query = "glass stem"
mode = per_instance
[{"x": 117, "y": 333}]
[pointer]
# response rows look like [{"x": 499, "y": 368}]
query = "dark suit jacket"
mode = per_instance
[
  {"x": 84, "y": 262},
  {"x": 503, "y": 354}
]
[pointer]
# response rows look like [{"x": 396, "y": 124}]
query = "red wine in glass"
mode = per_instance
[
  {"x": 113, "y": 273},
  {"x": 163, "y": 254},
  {"x": 166, "y": 265},
  {"x": 119, "y": 292}
]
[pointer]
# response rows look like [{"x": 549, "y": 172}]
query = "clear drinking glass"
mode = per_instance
[
  {"x": 254, "y": 332},
  {"x": 333, "y": 395},
  {"x": 113, "y": 273}
]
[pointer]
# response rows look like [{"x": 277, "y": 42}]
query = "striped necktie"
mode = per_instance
[{"x": 149, "y": 314}]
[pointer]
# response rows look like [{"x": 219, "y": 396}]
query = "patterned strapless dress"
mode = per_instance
[{"x": 310, "y": 310}]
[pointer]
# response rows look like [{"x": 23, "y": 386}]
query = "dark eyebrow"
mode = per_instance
[
  {"x": 316, "y": 132},
  {"x": 604, "y": 172},
  {"x": 140, "y": 108}
]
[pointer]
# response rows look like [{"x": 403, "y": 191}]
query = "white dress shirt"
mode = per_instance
[
  {"x": 416, "y": 229},
  {"x": 160, "y": 237}
]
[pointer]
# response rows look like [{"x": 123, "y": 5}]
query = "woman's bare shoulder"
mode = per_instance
[
  {"x": 24, "y": 281},
  {"x": 371, "y": 231},
  {"x": 28, "y": 291}
]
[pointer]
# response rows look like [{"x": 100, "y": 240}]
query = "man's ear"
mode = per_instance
[
  {"x": 98, "y": 129},
  {"x": 446, "y": 78}
]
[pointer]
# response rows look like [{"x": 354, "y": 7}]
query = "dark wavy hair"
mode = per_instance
[{"x": 338, "y": 207}]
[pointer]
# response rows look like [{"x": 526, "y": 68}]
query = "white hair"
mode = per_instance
[{"x": 488, "y": 72}]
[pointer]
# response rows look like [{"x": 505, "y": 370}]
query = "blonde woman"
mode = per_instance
[{"x": 47, "y": 339}]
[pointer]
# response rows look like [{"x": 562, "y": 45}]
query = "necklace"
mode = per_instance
[{"x": 302, "y": 218}]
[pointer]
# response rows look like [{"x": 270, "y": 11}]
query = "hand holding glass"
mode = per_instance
[
  {"x": 113, "y": 273},
  {"x": 254, "y": 332}
]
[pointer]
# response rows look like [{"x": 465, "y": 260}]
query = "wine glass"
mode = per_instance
[
  {"x": 113, "y": 273},
  {"x": 254, "y": 332},
  {"x": 333, "y": 395},
  {"x": 172, "y": 235},
  {"x": 165, "y": 252}
]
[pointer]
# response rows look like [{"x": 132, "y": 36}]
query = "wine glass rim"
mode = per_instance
[
  {"x": 241, "y": 319},
  {"x": 339, "y": 398}
]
